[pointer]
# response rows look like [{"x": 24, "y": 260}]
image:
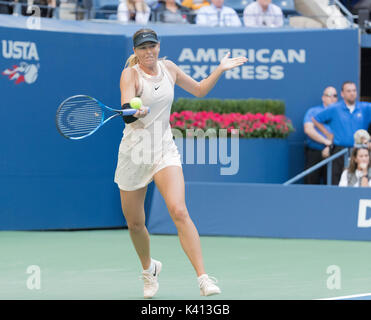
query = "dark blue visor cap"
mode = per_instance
[{"x": 145, "y": 37}]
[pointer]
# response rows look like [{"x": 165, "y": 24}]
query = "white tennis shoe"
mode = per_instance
[
  {"x": 208, "y": 285},
  {"x": 150, "y": 280}
]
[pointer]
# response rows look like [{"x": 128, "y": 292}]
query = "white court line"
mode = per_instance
[{"x": 347, "y": 297}]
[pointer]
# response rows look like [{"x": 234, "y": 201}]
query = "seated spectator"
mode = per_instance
[
  {"x": 133, "y": 11},
  {"x": 195, "y": 4},
  {"x": 46, "y": 7},
  {"x": 263, "y": 13},
  {"x": 169, "y": 11},
  {"x": 357, "y": 175},
  {"x": 217, "y": 14}
]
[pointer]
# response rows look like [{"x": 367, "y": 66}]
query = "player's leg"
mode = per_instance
[
  {"x": 170, "y": 182},
  {"x": 132, "y": 203}
]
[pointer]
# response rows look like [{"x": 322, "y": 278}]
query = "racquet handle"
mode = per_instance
[{"x": 130, "y": 112}]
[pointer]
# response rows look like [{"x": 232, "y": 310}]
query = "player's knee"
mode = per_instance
[
  {"x": 179, "y": 213},
  {"x": 135, "y": 226}
]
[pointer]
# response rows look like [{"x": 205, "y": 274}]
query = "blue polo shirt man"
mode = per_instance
[
  {"x": 343, "y": 123},
  {"x": 344, "y": 119},
  {"x": 316, "y": 143},
  {"x": 310, "y": 142}
]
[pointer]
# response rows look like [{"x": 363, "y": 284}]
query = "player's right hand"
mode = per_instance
[{"x": 142, "y": 112}]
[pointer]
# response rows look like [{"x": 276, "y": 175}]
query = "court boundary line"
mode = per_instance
[{"x": 347, "y": 297}]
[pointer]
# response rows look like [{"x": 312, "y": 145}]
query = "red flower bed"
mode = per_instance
[{"x": 249, "y": 125}]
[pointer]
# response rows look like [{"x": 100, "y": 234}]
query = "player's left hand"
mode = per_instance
[{"x": 229, "y": 63}]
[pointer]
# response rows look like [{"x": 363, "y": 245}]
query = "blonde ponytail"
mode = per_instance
[{"x": 131, "y": 61}]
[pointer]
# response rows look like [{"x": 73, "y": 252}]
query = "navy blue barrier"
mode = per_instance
[
  {"x": 257, "y": 210},
  {"x": 48, "y": 182},
  {"x": 70, "y": 184}
]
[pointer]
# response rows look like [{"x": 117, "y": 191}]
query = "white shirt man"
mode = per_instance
[
  {"x": 218, "y": 15},
  {"x": 263, "y": 13}
]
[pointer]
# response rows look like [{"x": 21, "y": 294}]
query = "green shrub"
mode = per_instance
[{"x": 243, "y": 106}]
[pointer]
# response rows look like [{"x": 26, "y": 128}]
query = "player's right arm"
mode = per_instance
[
  {"x": 127, "y": 85},
  {"x": 128, "y": 88}
]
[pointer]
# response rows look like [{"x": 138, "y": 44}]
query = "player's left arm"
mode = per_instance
[{"x": 202, "y": 88}]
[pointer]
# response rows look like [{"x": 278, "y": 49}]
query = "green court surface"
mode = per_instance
[{"x": 103, "y": 265}]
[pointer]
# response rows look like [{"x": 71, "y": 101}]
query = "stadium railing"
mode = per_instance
[{"x": 342, "y": 153}]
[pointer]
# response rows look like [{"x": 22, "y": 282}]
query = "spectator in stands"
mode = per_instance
[
  {"x": 263, "y": 13},
  {"x": 217, "y": 14},
  {"x": 317, "y": 145},
  {"x": 170, "y": 11},
  {"x": 195, "y": 4},
  {"x": 344, "y": 119},
  {"x": 47, "y": 7},
  {"x": 87, "y": 6},
  {"x": 133, "y": 11},
  {"x": 358, "y": 173}
]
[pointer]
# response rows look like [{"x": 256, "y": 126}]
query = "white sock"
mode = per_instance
[
  {"x": 202, "y": 276},
  {"x": 151, "y": 268}
]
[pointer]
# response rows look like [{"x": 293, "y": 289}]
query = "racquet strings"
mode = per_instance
[{"x": 79, "y": 116}]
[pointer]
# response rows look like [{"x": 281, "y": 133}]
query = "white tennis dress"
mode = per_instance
[{"x": 147, "y": 145}]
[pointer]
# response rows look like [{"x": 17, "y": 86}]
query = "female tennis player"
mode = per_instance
[{"x": 153, "y": 79}]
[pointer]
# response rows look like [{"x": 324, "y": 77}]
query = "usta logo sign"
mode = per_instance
[{"x": 22, "y": 71}]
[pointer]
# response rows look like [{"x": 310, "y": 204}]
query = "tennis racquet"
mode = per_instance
[{"x": 80, "y": 116}]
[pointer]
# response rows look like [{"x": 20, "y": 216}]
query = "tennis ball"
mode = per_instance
[{"x": 136, "y": 103}]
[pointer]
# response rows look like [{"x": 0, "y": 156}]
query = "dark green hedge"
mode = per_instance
[{"x": 228, "y": 105}]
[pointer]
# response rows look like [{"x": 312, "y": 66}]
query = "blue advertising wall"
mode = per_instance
[
  {"x": 264, "y": 210},
  {"x": 48, "y": 182}
]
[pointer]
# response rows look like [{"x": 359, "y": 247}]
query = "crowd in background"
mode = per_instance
[
  {"x": 262, "y": 13},
  {"x": 334, "y": 125},
  {"x": 259, "y": 13},
  {"x": 28, "y": 8},
  {"x": 202, "y": 12}
]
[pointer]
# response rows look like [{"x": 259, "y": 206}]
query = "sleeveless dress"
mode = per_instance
[{"x": 147, "y": 145}]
